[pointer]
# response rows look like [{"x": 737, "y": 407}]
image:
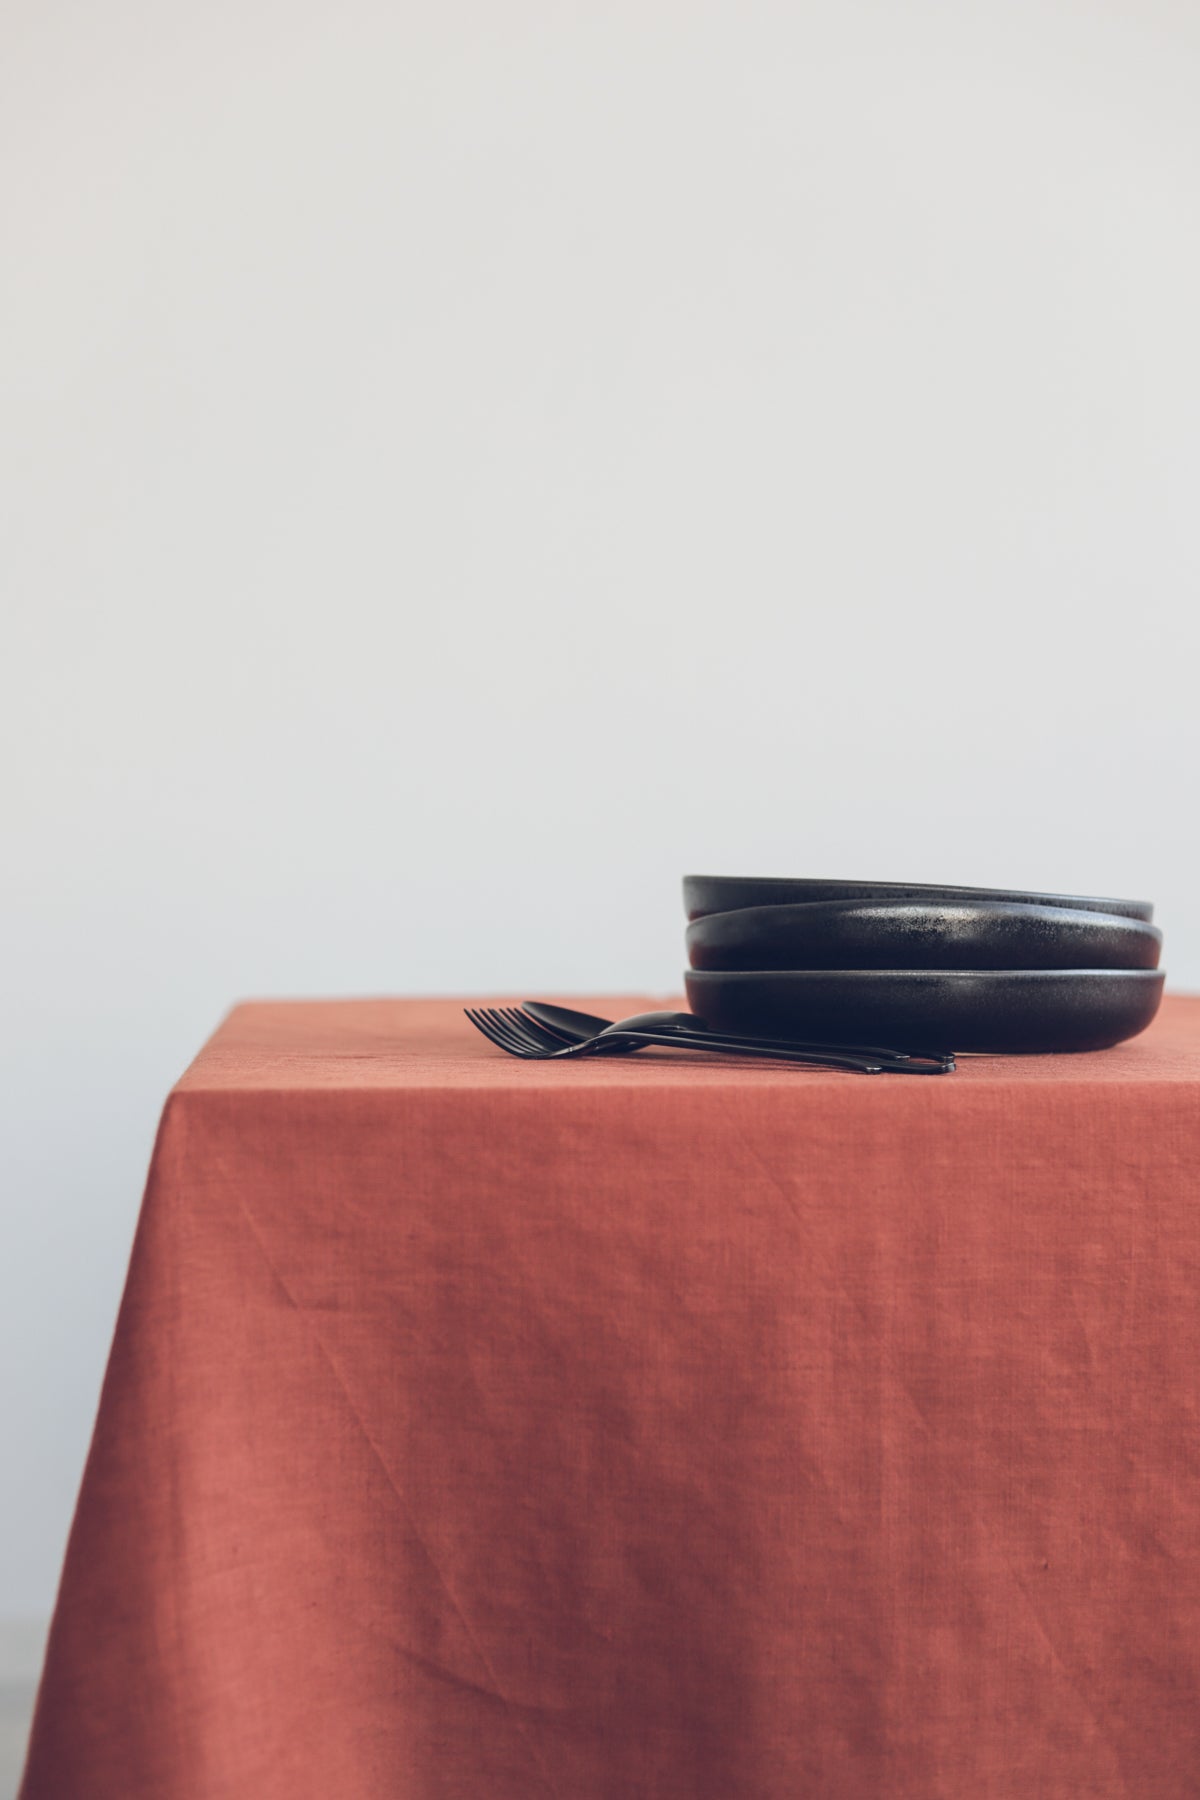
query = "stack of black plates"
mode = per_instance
[{"x": 945, "y": 968}]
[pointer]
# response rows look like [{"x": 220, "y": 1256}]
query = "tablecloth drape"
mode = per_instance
[{"x": 653, "y": 1427}]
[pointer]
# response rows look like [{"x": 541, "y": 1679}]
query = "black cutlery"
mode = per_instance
[
  {"x": 579, "y": 1027},
  {"x": 519, "y": 1034},
  {"x": 512, "y": 1032}
]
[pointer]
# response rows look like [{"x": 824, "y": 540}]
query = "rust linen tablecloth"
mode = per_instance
[{"x": 657, "y": 1427}]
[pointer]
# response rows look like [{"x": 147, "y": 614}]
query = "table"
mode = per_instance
[{"x": 653, "y": 1427}]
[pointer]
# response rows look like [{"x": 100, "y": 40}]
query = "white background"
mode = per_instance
[{"x": 466, "y": 464}]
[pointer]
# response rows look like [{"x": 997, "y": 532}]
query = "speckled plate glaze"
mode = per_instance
[
  {"x": 925, "y": 1009},
  {"x": 703, "y": 894},
  {"x": 903, "y": 934}
]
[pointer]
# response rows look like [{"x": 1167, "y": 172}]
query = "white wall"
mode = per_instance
[{"x": 466, "y": 464}]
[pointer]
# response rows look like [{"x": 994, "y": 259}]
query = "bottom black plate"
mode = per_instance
[{"x": 932, "y": 1009}]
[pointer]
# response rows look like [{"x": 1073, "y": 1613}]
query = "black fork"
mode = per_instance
[{"x": 518, "y": 1035}]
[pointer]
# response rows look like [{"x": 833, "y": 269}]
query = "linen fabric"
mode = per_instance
[{"x": 487, "y": 1430}]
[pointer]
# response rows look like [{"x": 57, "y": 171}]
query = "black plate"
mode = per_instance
[
  {"x": 899, "y": 934},
  {"x": 703, "y": 894},
  {"x": 922, "y": 1009}
]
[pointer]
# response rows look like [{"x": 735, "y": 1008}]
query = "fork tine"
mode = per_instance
[
  {"x": 492, "y": 1027},
  {"x": 550, "y": 1033},
  {"x": 479, "y": 1023},
  {"x": 519, "y": 1043},
  {"x": 556, "y": 1041},
  {"x": 512, "y": 1027},
  {"x": 544, "y": 1042},
  {"x": 529, "y": 1031},
  {"x": 501, "y": 1029},
  {"x": 489, "y": 1031}
]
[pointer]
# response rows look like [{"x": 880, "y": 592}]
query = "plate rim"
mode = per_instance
[
  {"x": 1032, "y": 896},
  {"x": 1022, "y": 909},
  {"x": 1023, "y": 975}
]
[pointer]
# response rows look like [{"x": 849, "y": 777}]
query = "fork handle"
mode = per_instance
[
  {"x": 897, "y": 1062},
  {"x": 821, "y": 1059},
  {"x": 872, "y": 1052}
]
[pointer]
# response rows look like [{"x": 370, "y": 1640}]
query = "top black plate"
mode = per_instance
[
  {"x": 910, "y": 934},
  {"x": 703, "y": 894}
]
